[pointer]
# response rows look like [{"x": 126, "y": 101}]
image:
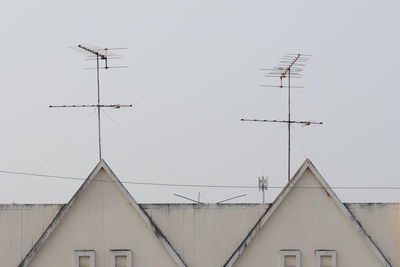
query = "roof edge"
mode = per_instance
[
  {"x": 307, "y": 165},
  {"x": 145, "y": 217},
  {"x": 142, "y": 213}
]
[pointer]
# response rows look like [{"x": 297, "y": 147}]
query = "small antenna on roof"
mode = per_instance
[
  {"x": 235, "y": 197},
  {"x": 263, "y": 186},
  {"x": 190, "y": 199},
  {"x": 290, "y": 66},
  {"x": 98, "y": 54}
]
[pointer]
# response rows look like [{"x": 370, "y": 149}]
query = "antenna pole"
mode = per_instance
[
  {"x": 289, "y": 67},
  {"x": 289, "y": 122},
  {"x": 263, "y": 196},
  {"x": 98, "y": 54},
  {"x": 98, "y": 104}
]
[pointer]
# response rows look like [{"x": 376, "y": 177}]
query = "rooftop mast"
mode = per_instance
[
  {"x": 98, "y": 54},
  {"x": 290, "y": 66}
]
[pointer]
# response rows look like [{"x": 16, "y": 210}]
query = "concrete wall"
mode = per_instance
[
  {"x": 20, "y": 228},
  {"x": 308, "y": 220},
  {"x": 382, "y": 223},
  {"x": 205, "y": 235}
]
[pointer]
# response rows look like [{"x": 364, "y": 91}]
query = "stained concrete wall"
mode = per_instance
[
  {"x": 205, "y": 235},
  {"x": 194, "y": 230},
  {"x": 20, "y": 227},
  {"x": 308, "y": 220},
  {"x": 382, "y": 223}
]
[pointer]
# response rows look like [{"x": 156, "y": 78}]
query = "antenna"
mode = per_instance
[
  {"x": 263, "y": 185},
  {"x": 98, "y": 54},
  {"x": 290, "y": 67},
  {"x": 187, "y": 198},
  {"x": 199, "y": 202},
  {"x": 225, "y": 200}
]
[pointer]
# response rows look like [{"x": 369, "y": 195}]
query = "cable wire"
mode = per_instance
[
  {"x": 306, "y": 146},
  {"x": 145, "y": 148},
  {"x": 63, "y": 141},
  {"x": 247, "y": 157},
  {"x": 199, "y": 185}
]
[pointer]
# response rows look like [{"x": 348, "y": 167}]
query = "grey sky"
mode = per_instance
[{"x": 192, "y": 76}]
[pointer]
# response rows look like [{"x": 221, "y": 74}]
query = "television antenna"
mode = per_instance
[
  {"x": 290, "y": 67},
  {"x": 199, "y": 202},
  {"x": 98, "y": 54},
  {"x": 263, "y": 186}
]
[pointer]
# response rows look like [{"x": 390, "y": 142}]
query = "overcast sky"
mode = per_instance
[{"x": 193, "y": 74}]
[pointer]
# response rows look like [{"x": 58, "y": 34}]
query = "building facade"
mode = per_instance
[{"x": 103, "y": 226}]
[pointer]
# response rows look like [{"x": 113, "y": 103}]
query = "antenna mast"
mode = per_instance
[
  {"x": 98, "y": 54},
  {"x": 263, "y": 186},
  {"x": 290, "y": 66}
]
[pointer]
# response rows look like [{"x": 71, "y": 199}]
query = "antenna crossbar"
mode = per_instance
[
  {"x": 291, "y": 63},
  {"x": 290, "y": 66},
  {"x": 95, "y": 53},
  {"x": 284, "y": 121},
  {"x": 91, "y": 106}
]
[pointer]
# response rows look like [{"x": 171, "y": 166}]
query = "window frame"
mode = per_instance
[
  {"x": 320, "y": 253},
  {"x": 85, "y": 253},
  {"x": 283, "y": 253},
  {"x": 121, "y": 252}
]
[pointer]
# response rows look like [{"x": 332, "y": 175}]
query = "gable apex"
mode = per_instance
[
  {"x": 102, "y": 165},
  {"x": 307, "y": 165}
]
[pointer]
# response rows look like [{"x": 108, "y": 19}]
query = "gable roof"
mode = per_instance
[
  {"x": 307, "y": 165},
  {"x": 142, "y": 213}
]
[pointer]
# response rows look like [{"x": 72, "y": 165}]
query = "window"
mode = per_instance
[
  {"x": 325, "y": 258},
  {"x": 290, "y": 258},
  {"x": 121, "y": 258},
  {"x": 84, "y": 258}
]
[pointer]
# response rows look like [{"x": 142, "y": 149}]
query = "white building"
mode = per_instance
[{"x": 103, "y": 226}]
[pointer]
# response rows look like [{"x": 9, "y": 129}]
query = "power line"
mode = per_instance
[{"x": 202, "y": 185}]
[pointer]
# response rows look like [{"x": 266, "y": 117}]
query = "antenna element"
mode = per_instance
[
  {"x": 290, "y": 66},
  {"x": 98, "y": 54}
]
